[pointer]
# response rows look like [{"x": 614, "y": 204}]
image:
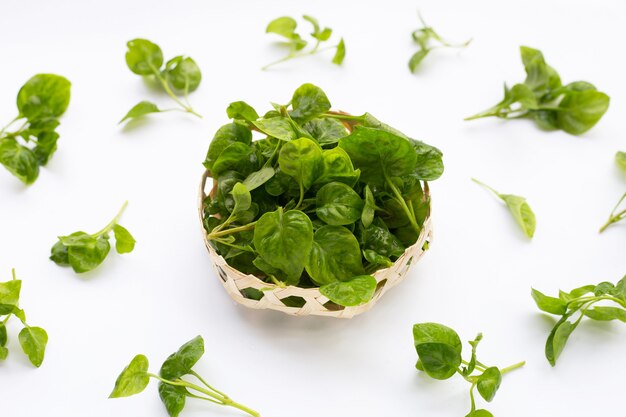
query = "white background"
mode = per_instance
[{"x": 477, "y": 277}]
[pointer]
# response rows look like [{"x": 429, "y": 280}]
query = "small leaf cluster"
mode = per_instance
[
  {"x": 32, "y": 339},
  {"x": 428, "y": 40},
  {"x": 582, "y": 302},
  {"x": 575, "y": 107},
  {"x": 178, "y": 77},
  {"x": 84, "y": 252},
  {"x": 40, "y": 102},
  {"x": 286, "y": 28},
  {"x": 519, "y": 208},
  {"x": 173, "y": 388},
  {"x": 439, "y": 350},
  {"x": 322, "y": 199}
]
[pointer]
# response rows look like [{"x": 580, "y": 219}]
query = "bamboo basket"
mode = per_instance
[{"x": 235, "y": 282}]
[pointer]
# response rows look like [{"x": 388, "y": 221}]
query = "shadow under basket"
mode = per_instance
[{"x": 299, "y": 301}]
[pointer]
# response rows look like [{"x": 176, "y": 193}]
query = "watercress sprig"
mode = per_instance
[
  {"x": 580, "y": 301},
  {"x": 574, "y": 108},
  {"x": 519, "y": 209},
  {"x": 618, "y": 214},
  {"x": 428, "y": 40},
  {"x": 286, "y": 27},
  {"x": 321, "y": 199},
  {"x": 180, "y": 76},
  {"x": 173, "y": 389},
  {"x": 40, "y": 103},
  {"x": 439, "y": 349},
  {"x": 32, "y": 339},
  {"x": 84, "y": 252}
]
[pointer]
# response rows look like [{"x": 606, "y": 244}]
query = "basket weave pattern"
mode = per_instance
[{"x": 315, "y": 303}]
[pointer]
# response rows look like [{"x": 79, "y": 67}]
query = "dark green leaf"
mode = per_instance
[
  {"x": 225, "y": 136},
  {"x": 337, "y": 167},
  {"x": 124, "y": 241},
  {"x": 326, "y": 131},
  {"x": 356, "y": 291},
  {"x": 183, "y": 73},
  {"x": 308, "y": 101},
  {"x": 338, "y": 205},
  {"x": 143, "y": 57},
  {"x": 258, "y": 178},
  {"x": 133, "y": 379},
  {"x": 549, "y": 304},
  {"x": 377, "y": 259},
  {"x": 367, "y": 215},
  {"x": 335, "y": 255},
  {"x": 3, "y": 335},
  {"x": 238, "y": 157},
  {"x": 439, "y": 349},
  {"x": 141, "y": 109},
  {"x": 377, "y": 237},
  {"x": 44, "y": 95},
  {"x": 173, "y": 397},
  {"x": 302, "y": 160},
  {"x": 340, "y": 53},
  {"x": 33, "y": 341},
  {"x": 84, "y": 258},
  {"x": 19, "y": 160},
  {"x": 429, "y": 165},
  {"x": 284, "y": 240},
  {"x": 489, "y": 382},
  {"x": 276, "y": 127},
  {"x": 180, "y": 362},
  {"x": 45, "y": 147},
  {"x": 242, "y": 111},
  {"x": 59, "y": 254}
]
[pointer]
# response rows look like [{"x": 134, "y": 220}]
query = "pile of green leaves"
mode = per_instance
[
  {"x": 173, "y": 389},
  {"x": 311, "y": 203},
  {"x": 519, "y": 209},
  {"x": 84, "y": 252},
  {"x": 40, "y": 103},
  {"x": 580, "y": 301},
  {"x": 428, "y": 40},
  {"x": 439, "y": 349},
  {"x": 286, "y": 27},
  {"x": 180, "y": 76},
  {"x": 574, "y": 108},
  {"x": 32, "y": 339}
]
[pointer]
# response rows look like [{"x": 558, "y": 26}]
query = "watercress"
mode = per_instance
[
  {"x": 178, "y": 77},
  {"x": 618, "y": 214},
  {"x": 575, "y": 107},
  {"x": 84, "y": 252},
  {"x": 286, "y": 27},
  {"x": 519, "y": 208},
  {"x": 439, "y": 350},
  {"x": 620, "y": 160},
  {"x": 173, "y": 389},
  {"x": 320, "y": 199},
  {"x": 40, "y": 103},
  {"x": 428, "y": 40},
  {"x": 32, "y": 339},
  {"x": 580, "y": 301}
]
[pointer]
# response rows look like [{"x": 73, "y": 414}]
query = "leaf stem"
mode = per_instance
[
  {"x": 295, "y": 55},
  {"x": 614, "y": 218},
  {"x": 403, "y": 204},
  {"x": 112, "y": 223},
  {"x": 213, "y": 235},
  {"x": 512, "y": 367},
  {"x": 168, "y": 90},
  {"x": 486, "y": 186}
]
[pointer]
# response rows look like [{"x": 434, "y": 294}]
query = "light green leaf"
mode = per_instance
[
  {"x": 33, "y": 341},
  {"x": 133, "y": 379},
  {"x": 309, "y": 101},
  {"x": 124, "y": 241},
  {"x": 140, "y": 109},
  {"x": 335, "y": 255},
  {"x": 143, "y": 57},
  {"x": 242, "y": 111},
  {"x": 44, "y": 95},
  {"x": 353, "y": 292},
  {"x": 183, "y": 73},
  {"x": 340, "y": 53}
]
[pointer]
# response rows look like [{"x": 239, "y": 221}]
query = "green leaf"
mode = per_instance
[
  {"x": 378, "y": 238},
  {"x": 439, "y": 349},
  {"x": 338, "y": 205},
  {"x": 580, "y": 291},
  {"x": 580, "y": 111},
  {"x": 284, "y": 240},
  {"x": 379, "y": 154},
  {"x": 377, "y": 259},
  {"x": 489, "y": 382},
  {"x": 242, "y": 198},
  {"x": 180, "y": 362},
  {"x": 603, "y": 288},
  {"x": 33, "y": 341},
  {"x": 44, "y": 95},
  {"x": 258, "y": 178},
  {"x": 606, "y": 313},
  {"x": 242, "y": 111},
  {"x": 620, "y": 159},
  {"x": 429, "y": 164},
  {"x": 521, "y": 212},
  {"x": 326, "y": 131},
  {"x": 84, "y": 258},
  {"x": 124, "y": 241},
  {"x": 335, "y": 256},
  {"x": 143, "y": 57},
  {"x": 238, "y": 157},
  {"x": 133, "y": 379},
  {"x": 140, "y": 109},
  {"x": 284, "y": 26},
  {"x": 479, "y": 413},
  {"x": 558, "y": 338},
  {"x": 417, "y": 58},
  {"x": 183, "y": 73},
  {"x": 173, "y": 397},
  {"x": 4, "y": 352},
  {"x": 549, "y": 304},
  {"x": 540, "y": 77},
  {"x": 337, "y": 167},
  {"x": 308, "y": 101},
  {"x": 224, "y": 137},
  {"x": 59, "y": 254},
  {"x": 276, "y": 127},
  {"x": 302, "y": 160},
  {"x": 10, "y": 292},
  {"x": 3, "y": 335},
  {"x": 356, "y": 291},
  {"x": 367, "y": 215},
  {"x": 45, "y": 147},
  {"x": 340, "y": 53},
  {"x": 19, "y": 160}
]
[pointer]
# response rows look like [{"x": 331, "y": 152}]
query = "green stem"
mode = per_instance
[
  {"x": 170, "y": 93},
  {"x": 226, "y": 232},
  {"x": 472, "y": 398},
  {"x": 614, "y": 218},
  {"x": 360, "y": 119},
  {"x": 9, "y": 124},
  {"x": 112, "y": 223},
  {"x": 205, "y": 383},
  {"x": 403, "y": 204},
  {"x": 301, "y": 196},
  {"x": 479, "y": 366},
  {"x": 295, "y": 55},
  {"x": 512, "y": 367},
  {"x": 486, "y": 186}
]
